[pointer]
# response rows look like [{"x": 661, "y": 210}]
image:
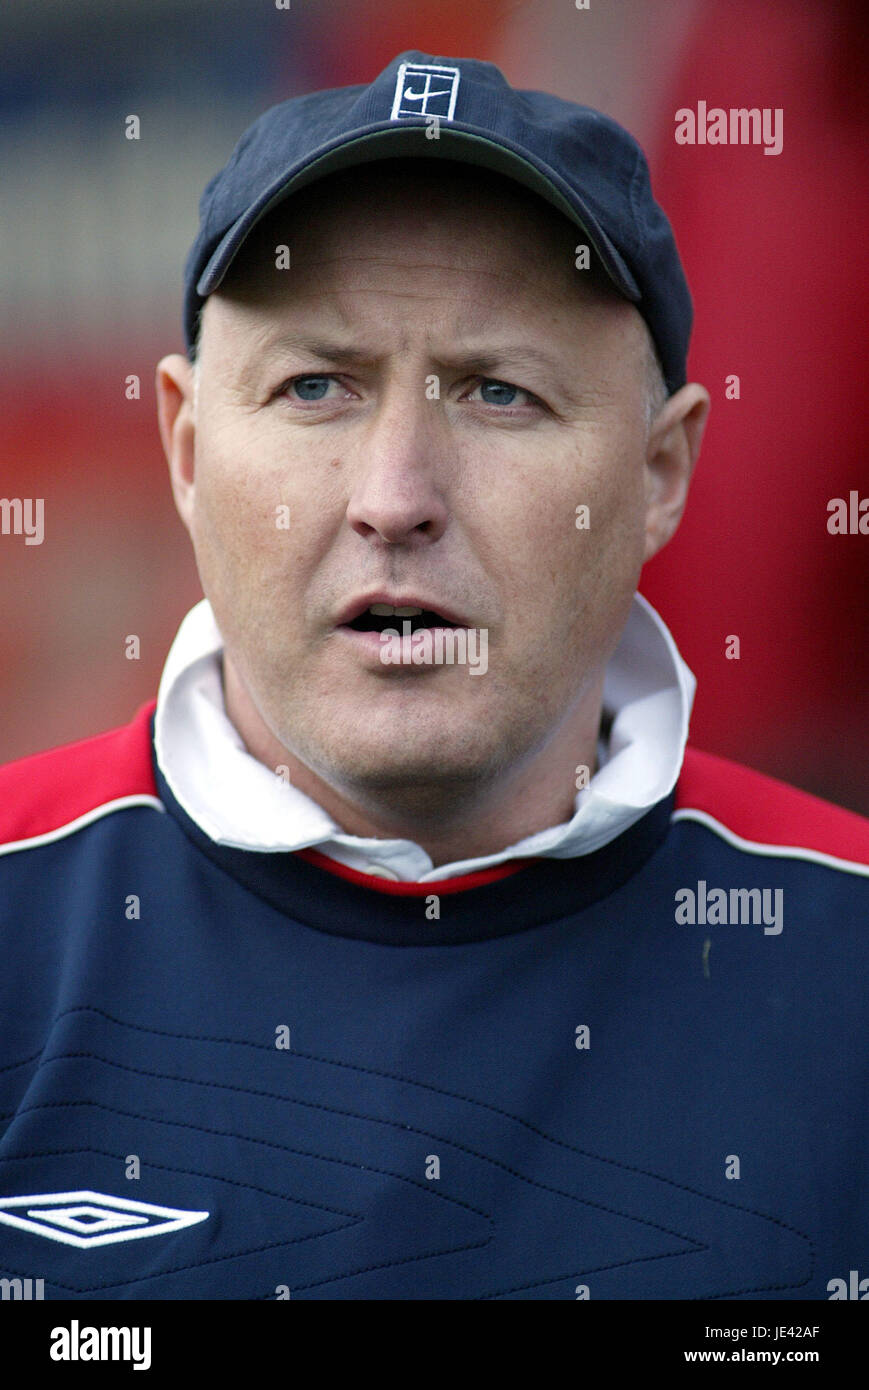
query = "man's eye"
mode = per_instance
[
  {"x": 494, "y": 392},
  {"x": 308, "y": 388}
]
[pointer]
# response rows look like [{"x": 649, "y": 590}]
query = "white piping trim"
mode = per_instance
[
  {"x": 80, "y": 822},
  {"x": 775, "y": 851}
]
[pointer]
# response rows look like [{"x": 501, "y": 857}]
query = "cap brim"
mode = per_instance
[{"x": 393, "y": 141}]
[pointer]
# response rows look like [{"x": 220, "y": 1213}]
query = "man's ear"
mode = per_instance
[
  {"x": 174, "y": 386},
  {"x": 673, "y": 446}
]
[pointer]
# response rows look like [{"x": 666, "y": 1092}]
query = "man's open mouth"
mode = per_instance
[{"x": 380, "y": 616}]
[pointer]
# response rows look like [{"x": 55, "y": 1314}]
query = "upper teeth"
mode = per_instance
[{"x": 386, "y": 610}]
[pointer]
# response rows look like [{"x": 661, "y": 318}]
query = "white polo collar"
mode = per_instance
[{"x": 237, "y": 801}]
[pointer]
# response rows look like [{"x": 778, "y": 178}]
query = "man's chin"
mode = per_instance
[{"x": 401, "y": 760}]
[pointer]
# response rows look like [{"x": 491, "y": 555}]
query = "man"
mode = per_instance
[{"x": 401, "y": 951}]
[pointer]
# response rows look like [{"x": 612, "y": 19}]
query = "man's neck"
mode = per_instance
[{"x": 451, "y": 824}]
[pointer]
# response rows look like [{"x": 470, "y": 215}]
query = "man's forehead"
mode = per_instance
[
  {"x": 356, "y": 330},
  {"x": 347, "y": 307}
]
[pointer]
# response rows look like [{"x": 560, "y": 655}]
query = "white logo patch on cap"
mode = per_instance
[{"x": 425, "y": 89}]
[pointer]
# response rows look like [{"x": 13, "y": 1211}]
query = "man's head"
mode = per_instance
[{"x": 433, "y": 389}]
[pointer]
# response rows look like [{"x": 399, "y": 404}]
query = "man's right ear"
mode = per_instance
[{"x": 174, "y": 386}]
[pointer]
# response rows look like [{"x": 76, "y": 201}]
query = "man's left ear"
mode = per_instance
[
  {"x": 674, "y": 443},
  {"x": 175, "y": 398}
]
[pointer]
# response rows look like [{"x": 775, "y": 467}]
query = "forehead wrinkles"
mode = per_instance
[
  {"x": 358, "y": 289},
  {"x": 447, "y": 325}
]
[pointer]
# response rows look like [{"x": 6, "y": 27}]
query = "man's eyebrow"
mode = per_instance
[
  {"x": 318, "y": 347},
  {"x": 512, "y": 355}
]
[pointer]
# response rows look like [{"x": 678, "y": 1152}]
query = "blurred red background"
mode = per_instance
[{"x": 98, "y": 228}]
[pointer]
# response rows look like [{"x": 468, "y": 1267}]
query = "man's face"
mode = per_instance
[{"x": 431, "y": 389}]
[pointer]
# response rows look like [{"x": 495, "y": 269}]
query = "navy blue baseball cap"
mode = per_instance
[{"x": 579, "y": 160}]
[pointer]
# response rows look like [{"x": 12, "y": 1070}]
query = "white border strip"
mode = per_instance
[
  {"x": 80, "y": 822},
  {"x": 774, "y": 851}
]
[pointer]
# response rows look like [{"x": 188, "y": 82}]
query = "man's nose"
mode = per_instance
[{"x": 402, "y": 469}]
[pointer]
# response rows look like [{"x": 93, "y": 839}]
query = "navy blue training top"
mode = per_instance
[{"x": 228, "y": 1074}]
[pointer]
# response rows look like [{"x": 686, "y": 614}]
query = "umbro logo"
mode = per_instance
[
  {"x": 425, "y": 89},
  {"x": 86, "y": 1219}
]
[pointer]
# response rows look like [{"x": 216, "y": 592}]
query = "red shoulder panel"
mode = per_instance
[
  {"x": 41, "y": 793},
  {"x": 769, "y": 812}
]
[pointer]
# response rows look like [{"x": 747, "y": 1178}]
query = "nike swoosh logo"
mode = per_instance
[{"x": 410, "y": 95}]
